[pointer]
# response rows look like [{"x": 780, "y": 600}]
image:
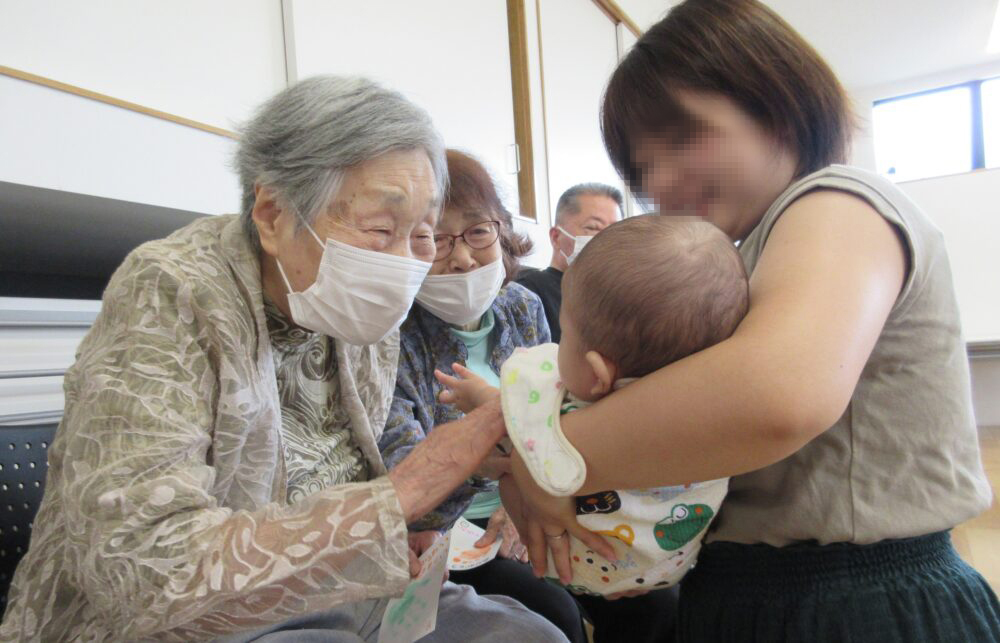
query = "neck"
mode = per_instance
[
  {"x": 558, "y": 261},
  {"x": 272, "y": 285},
  {"x": 471, "y": 326},
  {"x": 743, "y": 228},
  {"x": 783, "y": 172}
]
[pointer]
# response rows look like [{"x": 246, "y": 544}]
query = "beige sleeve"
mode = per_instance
[{"x": 154, "y": 552}]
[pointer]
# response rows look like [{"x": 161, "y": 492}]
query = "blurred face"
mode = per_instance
[
  {"x": 388, "y": 204},
  {"x": 576, "y": 373},
  {"x": 596, "y": 213},
  {"x": 473, "y": 231},
  {"x": 728, "y": 173}
]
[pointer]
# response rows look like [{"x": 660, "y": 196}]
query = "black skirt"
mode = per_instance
[{"x": 909, "y": 590}]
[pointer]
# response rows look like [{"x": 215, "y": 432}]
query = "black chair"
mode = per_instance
[{"x": 23, "y": 465}]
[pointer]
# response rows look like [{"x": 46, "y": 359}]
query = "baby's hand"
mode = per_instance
[{"x": 467, "y": 392}]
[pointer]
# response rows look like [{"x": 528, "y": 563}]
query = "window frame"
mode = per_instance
[{"x": 976, "y": 105}]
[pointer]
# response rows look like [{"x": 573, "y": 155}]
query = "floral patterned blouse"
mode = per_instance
[
  {"x": 316, "y": 435},
  {"x": 166, "y": 508}
]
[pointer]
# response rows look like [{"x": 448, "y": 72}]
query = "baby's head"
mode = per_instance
[{"x": 646, "y": 292}]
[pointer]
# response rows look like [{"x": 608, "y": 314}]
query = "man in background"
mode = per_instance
[{"x": 582, "y": 212}]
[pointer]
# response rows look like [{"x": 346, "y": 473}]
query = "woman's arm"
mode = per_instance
[
  {"x": 449, "y": 455},
  {"x": 154, "y": 551},
  {"x": 411, "y": 419},
  {"x": 830, "y": 273}
]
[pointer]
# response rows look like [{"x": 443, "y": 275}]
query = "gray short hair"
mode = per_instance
[
  {"x": 569, "y": 201},
  {"x": 302, "y": 141}
]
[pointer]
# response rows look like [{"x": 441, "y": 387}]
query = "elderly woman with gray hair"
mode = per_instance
[{"x": 216, "y": 473}]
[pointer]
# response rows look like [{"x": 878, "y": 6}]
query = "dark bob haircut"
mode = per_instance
[{"x": 742, "y": 50}]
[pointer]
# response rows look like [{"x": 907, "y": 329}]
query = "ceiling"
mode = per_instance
[{"x": 871, "y": 42}]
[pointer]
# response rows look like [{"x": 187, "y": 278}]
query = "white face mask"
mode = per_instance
[
  {"x": 359, "y": 295},
  {"x": 465, "y": 297},
  {"x": 578, "y": 244}
]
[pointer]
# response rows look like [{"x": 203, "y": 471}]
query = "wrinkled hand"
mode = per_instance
[
  {"x": 445, "y": 459},
  {"x": 511, "y": 546},
  {"x": 545, "y": 523},
  {"x": 421, "y": 541},
  {"x": 466, "y": 392}
]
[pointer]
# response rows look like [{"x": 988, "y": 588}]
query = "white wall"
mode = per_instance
[
  {"x": 986, "y": 390},
  {"x": 207, "y": 61},
  {"x": 213, "y": 62},
  {"x": 57, "y": 140},
  {"x": 579, "y": 52},
  {"x": 966, "y": 207},
  {"x": 452, "y": 58}
]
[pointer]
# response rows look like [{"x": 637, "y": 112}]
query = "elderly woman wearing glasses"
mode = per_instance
[{"x": 470, "y": 312}]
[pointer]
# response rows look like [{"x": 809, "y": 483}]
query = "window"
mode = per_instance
[
  {"x": 943, "y": 131},
  {"x": 990, "y": 92}
]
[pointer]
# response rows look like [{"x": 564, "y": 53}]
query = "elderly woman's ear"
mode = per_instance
[{"x": 271, "y": 219}]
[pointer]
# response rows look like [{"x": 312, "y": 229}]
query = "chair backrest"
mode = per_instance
[{"x": 24, "y": 452}]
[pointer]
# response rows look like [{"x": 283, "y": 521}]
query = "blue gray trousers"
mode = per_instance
[{"x": 463, "y": 616}]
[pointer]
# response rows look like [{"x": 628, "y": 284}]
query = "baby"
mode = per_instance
[{"x": 645, "y": 292}]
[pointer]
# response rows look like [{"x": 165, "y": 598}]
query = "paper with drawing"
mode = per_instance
[
  {"x": 414, "y": 614},
  {"x": 464, "y": 554}
]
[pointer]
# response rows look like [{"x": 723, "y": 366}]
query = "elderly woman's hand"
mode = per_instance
[
  {"x": 511, "y": 546},
  {"x": 419, "y": 542},
  {"x": 446, "y": 459},
  {"x": 545, "y": 523},
  {"x": 495, "y": 465},
  {"x": 468, "y": 391}
]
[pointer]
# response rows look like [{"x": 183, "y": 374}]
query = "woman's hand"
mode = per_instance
[
  {"x": 445, "y": 459},
  {"x": 511, "y": 546},
  {"x": 466, "y": 392},
  {"x": 545, "y": 523},
  {"x": 421, "y": 541}
]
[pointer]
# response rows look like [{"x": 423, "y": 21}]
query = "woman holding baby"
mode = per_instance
[{"x": 840, "y": 405}]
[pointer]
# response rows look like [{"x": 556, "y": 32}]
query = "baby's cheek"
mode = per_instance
[
  {"x": 576, "y": 381},
  {"x": 561, "y": 360}
]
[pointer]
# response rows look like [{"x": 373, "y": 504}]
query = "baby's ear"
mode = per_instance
[{"x": 605, "y": 373}]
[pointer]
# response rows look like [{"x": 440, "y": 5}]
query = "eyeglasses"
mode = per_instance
[{"x": 477, "y": 236}]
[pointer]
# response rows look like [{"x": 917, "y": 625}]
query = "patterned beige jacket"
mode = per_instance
[{"x": 164, "y": 512}]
